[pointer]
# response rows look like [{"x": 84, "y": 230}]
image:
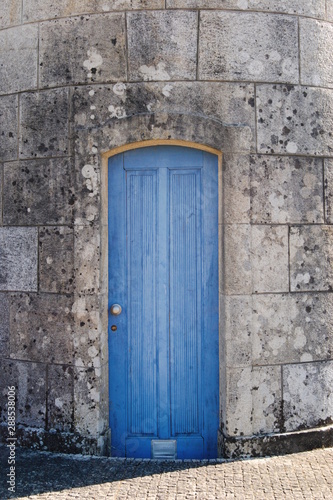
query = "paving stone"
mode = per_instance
[
  {"x": 8, "y": 127},
  {"x": 307, "y": 395},
  {"x": 328, "y": 190},
  {"x": 237, "y": 259},
  {"x": 291, "y": 328},
  {"x": 44, "y": 123},
  {"x": 229, "y": 51},
  {"x": 84, "y": 54},
  {"x": 56, "y": 259},
  {"x": 18, "y": 263},
  {"x": 60, "y": 404},
  {"x": 236, "y": 188},
  {"x": 4, "y": 325},
  {"x": 269, "y": 259},
  {"x": 10, "y": 13},
  {"x": 294, "y": 120},
  {"x": 41, "y": 328},
  {"x": 18, "y": 59},
  {"x": 87, "y": 259},
  {"x": 286, "y": 190},
  {"x": 36, "y": 10},
  {"x": 176, "y": 32},
  {"x": 29, "y": 380},
  {"x": 313, "y": 8},
  {"x": 38, "y": 192},
  {"x": 316, "y": 42},
  {"x": 311, "y": 256},
  {"x": 237, "y": 318}
]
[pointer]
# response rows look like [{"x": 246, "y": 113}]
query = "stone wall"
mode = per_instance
[{"x": 252, "y": 78}]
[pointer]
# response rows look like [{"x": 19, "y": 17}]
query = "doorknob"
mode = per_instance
[{"x": 115, "y": 309}]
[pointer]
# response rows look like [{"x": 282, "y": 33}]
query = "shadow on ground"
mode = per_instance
[{"x": 43, "y": 472}]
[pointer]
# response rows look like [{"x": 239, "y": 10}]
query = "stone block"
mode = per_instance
[
  {"x": 237, "y": 319},
  {"x": 11, "y": 11},
  {"x": 313, "y": 8},
  {"x": 41, "y": 328},
  {"x": 8, "y": 127},
  {"x": 307, "y": 395},
  {"x": 1, "y": 194},
  {"x": 269, "y": 259},
  {"x": 286, "y": 190},
  {"x": 44, "y": 123},
  {"x": 294, "y": 120},
  {"x": 60, "y": 398},
  {"x": 87, "y": 401},
  {"x": 292, "y": 328},
  {"x": 316, "y": 46},
  {"x": 236, "y": 188},
  {"x": 56, "y": 259},
  {"x": 83, "y": 52},
  {"x": 266, "y": 399},
  {"x": 18, "y": 263},
  {"x": 231, "y": 104},
  {"x": 328, "y": 190},
  {"x": 87, "y": 185},
  {"x": 238, "y": 408},
  {"x": 237, "y": 259},
  {"x": 87, "y": 342},
  {"x": 36, "y": 10},
  {"x": 248, "y": 46},
  {"x": 162, "y": 45},
  {"x": 311, "y": 257},
  {"x": 87, "y": 259},
  {"x": 329, "y": 7},
  {"x": 4, "y": 325},
  {"x": 38, "y": 192},
  {"x": 30, "y": 382},
  {"x": 18, "y": 59}
]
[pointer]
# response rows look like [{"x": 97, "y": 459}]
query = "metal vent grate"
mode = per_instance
[{"x": 164, "y": 449}]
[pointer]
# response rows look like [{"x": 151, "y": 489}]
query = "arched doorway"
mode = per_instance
[{"x": 163, "y": 272}]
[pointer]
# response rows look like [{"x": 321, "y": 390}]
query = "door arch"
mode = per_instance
[{"x": 163, "y": 271}]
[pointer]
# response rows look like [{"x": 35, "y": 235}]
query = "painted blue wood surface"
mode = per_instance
[{"x": 163, "y": 270}]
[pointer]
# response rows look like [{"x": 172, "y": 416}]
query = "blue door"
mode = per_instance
[{"x": 163, "y": 273}]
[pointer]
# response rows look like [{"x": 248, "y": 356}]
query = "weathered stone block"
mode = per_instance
[
  {"x": 294, "y": 120},
  {"x": 228, "y": 49},
  {"x": 236, "y": 188},
  {"x": 307, "y": 395},
  {"x": 266, "y": 399},
  {"x": 4, "y": 326},
  {"x": 1, "y": 194},
  {"x": 38, "y": 192},
  {"x": 286, "y": 190},
  {"x": 30, "y": 382},
  {"x": 35, "y": 10},
  {"x": 86, "y": 311},
  {"x": 41, "y": 328},
  {"x": 10, "y": 14},
  {"x": 87, "y": 259},
  {"x": 316, "y": 47},
  {"x": 237, "y": 259},
  {"x": 18, "y": 59},
  {"x": 60, "y": 398},
  {"x": 292, "y": 328},
  {"x": 239, "y": 402},
  {"x": 237, "y": 317},
  {"x": 329, "y": 7},
  {"x": 56, "y": 259},
  {"x": 314, "y": 8},
  {"x": 162, "y": 45},
  {"x": 87, "y": 400},
  {"x": 269, "y": 260},
  {"x": 88, "y": 185},
  {"x": 84, "y": 53},
  {"x": 328, "y": 190},
  {"x": 8, "y": 127},
  {"x": 18, "y": 263},
  {"x": 311, "y": 257},
  {"x": 44, "y": 123}
]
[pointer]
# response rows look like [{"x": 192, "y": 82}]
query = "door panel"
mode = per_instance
[{"x": 163, "y": 270}]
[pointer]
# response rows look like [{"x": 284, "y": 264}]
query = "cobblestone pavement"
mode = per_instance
[{"x": 41, "y": 475}]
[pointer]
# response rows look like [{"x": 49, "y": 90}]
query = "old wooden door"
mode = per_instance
[{"x": 163, "y": 273}]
